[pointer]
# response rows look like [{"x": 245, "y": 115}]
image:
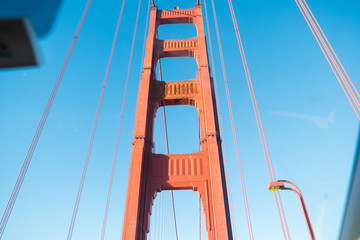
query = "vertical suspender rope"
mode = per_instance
[
  {"x": 168, "y": 152},
  {"x": 71, "y": 228},
  {"x": 242, "y": 180},
  {"x": 331, "y": 56},
  {"x": 259, "y": 122},
  {"x": 119, "y": 127},
  {"x": 156, "y": 220},
  {"x": 173, "y": 208},
  {"x": 167, "y": 217},
  {"x": 162, "y": 216},
  {"x": 157, "y": 236},
  {"x": 120, "y": 124},
  {"x": 40, "y": 127},
  {"x": 221, "y": 126}
]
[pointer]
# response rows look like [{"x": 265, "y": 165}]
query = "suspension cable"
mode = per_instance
[
  {"x": 168, "y": 152},
  {"x": 71, "y": 228},
  {"x": 161, "y": 232},
  {"x": 319, "y": 37},
  {"x": 156, "y": 219},
  {"x": 242, "y": 180},
  {"x": 259, "y": 122},
  {"x": 312, "y": 19},
  {"x": 40, "y": 126},
  {"x": 232, "y": 215},
  {"x": 120, "y": 121},
  {"x": 331, "y": 56},
  {"x": 159, "y": 218},
  {"x": 352, "y": 84}
]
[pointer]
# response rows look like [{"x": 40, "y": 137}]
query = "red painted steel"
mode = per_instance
[{"x": 202, "y": 171}]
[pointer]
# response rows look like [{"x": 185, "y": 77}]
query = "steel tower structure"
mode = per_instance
[{"x": 202, "y": 171}]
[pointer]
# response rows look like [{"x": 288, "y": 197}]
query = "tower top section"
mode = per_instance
[{"x": 177, "y": 15}]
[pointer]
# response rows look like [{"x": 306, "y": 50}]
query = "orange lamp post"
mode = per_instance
[{"x": 280, "y": 184}]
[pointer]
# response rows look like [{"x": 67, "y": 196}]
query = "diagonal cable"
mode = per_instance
[
  {"x": 71, "y": 228},
  {"x": 119, "y": 128},
  {"x": 259, "y": 123},
  {"x": 221, "y": 126},
  {"x": 40, "y": 127},
  {"x": 242, "y": 180},
  {"x": 340, "y": 73}
]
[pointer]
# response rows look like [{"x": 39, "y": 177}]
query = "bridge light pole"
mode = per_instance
[{"x": 280, "y": 185}]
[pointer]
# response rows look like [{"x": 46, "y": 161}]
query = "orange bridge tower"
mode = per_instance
[{"x": 202, "y": 171}]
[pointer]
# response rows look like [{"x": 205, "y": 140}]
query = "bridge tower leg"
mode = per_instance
[{"x": 202, "y": 171}]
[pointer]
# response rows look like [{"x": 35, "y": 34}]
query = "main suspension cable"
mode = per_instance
[
  {"x": 232, "y": 215},
  {"x": 242, "y": 180},
  {"x": 259, "y": 122},
  {"x": 71, "y": 228},
  {"x": 40, "y": 126},
  {"x": 340, "y": 73},
  {"x": 319, "y": 37}
]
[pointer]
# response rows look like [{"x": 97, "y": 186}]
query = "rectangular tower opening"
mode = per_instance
[
  {"x": 183, "y": 31},
  {"x": 182, "y": 129},
  {"x": 177, "y": 68},
  {"x": 190, "y": 219}
]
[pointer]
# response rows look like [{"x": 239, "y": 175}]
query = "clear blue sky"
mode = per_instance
[{"x": 310, "y": 126}]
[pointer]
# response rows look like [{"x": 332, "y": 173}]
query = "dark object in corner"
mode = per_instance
[{"x": 18, "y": 44}]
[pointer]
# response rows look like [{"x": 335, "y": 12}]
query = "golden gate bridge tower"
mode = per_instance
[{"x": 201, "y": 171}]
